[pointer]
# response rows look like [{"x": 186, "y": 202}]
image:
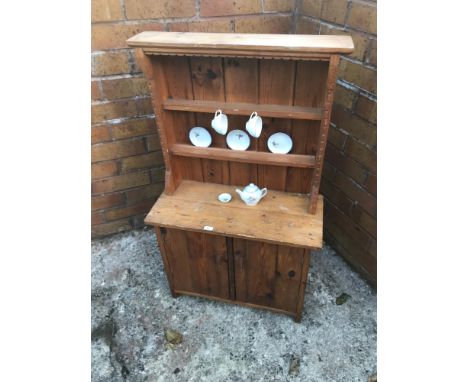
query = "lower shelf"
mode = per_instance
[
  {"x": 279, "y": 218},
  {"x": 293, "y": 160}
]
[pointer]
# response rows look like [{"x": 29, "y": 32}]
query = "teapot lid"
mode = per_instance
[{"x": 251, "y": 188}]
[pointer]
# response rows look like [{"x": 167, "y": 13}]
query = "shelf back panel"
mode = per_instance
[{"x": 249, "y": 80}]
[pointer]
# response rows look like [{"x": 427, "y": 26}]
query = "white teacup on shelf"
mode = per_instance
[
  {"x": 220, "y": 122},
  {"x": 254, "y": 125}
]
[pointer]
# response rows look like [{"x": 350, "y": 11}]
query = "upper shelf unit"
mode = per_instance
[{"x": 241, "y": 108}]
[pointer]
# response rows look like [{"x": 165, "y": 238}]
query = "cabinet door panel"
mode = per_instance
[
  {"x": 198, "y": 262},
  {"x": 267, "y": 274}
]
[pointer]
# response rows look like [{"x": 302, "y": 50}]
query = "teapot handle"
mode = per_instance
[{"x": 264, "y": 192}]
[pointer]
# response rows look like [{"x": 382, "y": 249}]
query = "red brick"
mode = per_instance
[
  {"x": 147, "y": 192},
  {"x": 97, "y": 218},
  {"x": 360, "y": 40},
  {"x": 311, "y": 7},
  {"x": 106, "y": 201},
  {"x": 353, "y": 252},
  {"x": 306, "y": 26},
  {"x": 112, "y": 110},
  {"x": 328, "y": 171},
  {"x": 372, "y": 53},
  {"x": 154, "y": 159},
  {"x": 104, "y": 169},
  {"x": 134, "y": 128},
  {"x": 367, "y": 109},
  {"x": 109, "y": 63},
  {"x": 106, "y": 10},
  {"x": 225, "y": 25},
  {"x": 100, "y": 134},
  {"x": 334, "y": 11},
  {"x": 145, "y": 107},
  {"x": 345, "y": 164},
  {"x": 364, "y": 220},
  {"x": 95, "y": 92},
  {"x": 354, "y": 192},
  {"x": 278, "y": 5},
  {"x": 110, "y": 228},
  {"x": 335, "y": 196},
  {"x": 120, "y": 182},
  {"x": 153, "y": 142},
  {"x": 114, "y": 36},
  {"x": 263, "y": 24},
  {"x": 371, "y": 184},
  {"x": 354, "y": 125},
  {"x": 117, "y": 149},
  {"x": 373, "y": 248},
  {"x": 344, "y": 97},
  {"x": 344, "y": 223},
  {"x": 154, "y": 9},
  {"x": 337, "y": 137},
  {"x": 229, "y": 7},
  {"x": 158, "y": 174},
  {"x": 358, "y": 75},
  {"x": 363, "y": 16},
  {"x": 141, "y": 207},
  {"x": 125, "y": 87},
  {"x": 362, "y": 154}
]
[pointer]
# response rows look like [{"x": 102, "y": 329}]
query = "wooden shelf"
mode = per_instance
[
  {"x": 291, "y": 160},
  {"x": 240, "y": 108},
  {"x": 242, "y": 44},
  {"x": 279, "y": 218}
]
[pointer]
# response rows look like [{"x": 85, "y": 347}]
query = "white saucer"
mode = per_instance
[
  {"x": 238, "y": 140},
  {"x": 225, "y": 197},
  {"x": 280, "y": 143},
  {"x": 200, "y": 137}
]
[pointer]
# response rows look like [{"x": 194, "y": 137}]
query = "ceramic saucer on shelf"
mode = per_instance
[
  {"x": 238, "y": 140},
  {"x": 200, "y": 137},
  {"x": 280, "y": 143}
]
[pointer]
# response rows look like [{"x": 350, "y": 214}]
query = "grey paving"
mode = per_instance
[{"x": 132, "y": 306}]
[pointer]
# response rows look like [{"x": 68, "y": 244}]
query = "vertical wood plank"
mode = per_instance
[
  {"x": 323, "y": 134},
  {"x": 241, "y": 85},
  {"x": 255, "y": 264},
  {"x": 208, "y": 84},
  {"x": 276, "y": 87},
  {"x": 288, "y": 277},
  {"x": 309, "y": 90},
  {"x": 167, "y": 268},
  {"x": 198, "y": 262},
  {"x": 179, "y": 85},
  {"x": 154, "y": 73},
  {"x": 303, "y": 284}
]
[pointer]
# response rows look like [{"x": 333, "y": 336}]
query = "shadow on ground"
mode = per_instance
[{"x": 132, "y": 307}]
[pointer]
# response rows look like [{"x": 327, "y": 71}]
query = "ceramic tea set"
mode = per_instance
[
  {"x": 278, "y": 143},
  {"x": 250, "y": 195}
]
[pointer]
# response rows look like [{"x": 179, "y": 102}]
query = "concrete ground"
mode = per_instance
[{"x": 132, "y": 307}]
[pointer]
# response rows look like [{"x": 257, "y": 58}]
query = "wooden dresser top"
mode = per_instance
[{"x": 241, "y": 44}]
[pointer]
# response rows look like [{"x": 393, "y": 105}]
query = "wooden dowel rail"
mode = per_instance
[
  {"x": 239, "y": 108},
  {"x": 291, "y": 160}
]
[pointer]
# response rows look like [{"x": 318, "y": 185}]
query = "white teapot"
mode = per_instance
[{"x": 251, "y": 194}]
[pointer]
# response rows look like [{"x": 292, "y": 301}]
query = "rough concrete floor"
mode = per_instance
[{"x": 132, "y": 306}]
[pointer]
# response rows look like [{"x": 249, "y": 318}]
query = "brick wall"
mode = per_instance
[
  {"x": 349, "y": 181},
  {"x": 127, "y": 166}
]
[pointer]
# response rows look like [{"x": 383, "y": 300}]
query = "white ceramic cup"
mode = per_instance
[
  {"x": 220, "y": 122},
  {"x": 254, "y": 125}
]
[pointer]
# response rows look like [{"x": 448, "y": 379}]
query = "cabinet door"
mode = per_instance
[
  {"x": 197, "y": 261},
  {"x": 268, "y": 275}
]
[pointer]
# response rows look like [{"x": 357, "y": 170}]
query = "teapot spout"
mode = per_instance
[{"x": 239, "y": 192}]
